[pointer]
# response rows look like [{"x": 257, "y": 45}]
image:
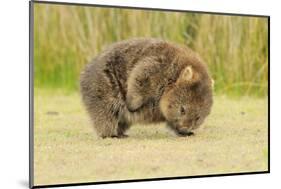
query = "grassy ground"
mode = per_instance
[
  {"x": 66, "y": 38},
  {"x": 233, "y": 139}
]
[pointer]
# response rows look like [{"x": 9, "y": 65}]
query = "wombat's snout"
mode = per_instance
[
  {"x": 185, "y": 131},
  {"x": 181, "y": 130},
  {"x": 186, "y": 127}
]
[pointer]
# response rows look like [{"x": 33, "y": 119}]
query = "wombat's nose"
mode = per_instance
[{"x": 184, "y": 131}]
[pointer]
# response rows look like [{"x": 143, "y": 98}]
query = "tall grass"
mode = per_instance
[{"x": 68, "y": 37}]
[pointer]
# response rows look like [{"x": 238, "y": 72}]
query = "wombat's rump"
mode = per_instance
[{"x": 146, "y": 81}]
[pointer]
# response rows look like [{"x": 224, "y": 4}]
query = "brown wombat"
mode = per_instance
[{"x": 146, "y": 81}]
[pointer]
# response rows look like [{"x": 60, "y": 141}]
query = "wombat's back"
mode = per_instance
[{"x": 111, "y": 68}]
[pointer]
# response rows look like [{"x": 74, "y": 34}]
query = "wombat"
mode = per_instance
[{"x": 146, "y": 81}]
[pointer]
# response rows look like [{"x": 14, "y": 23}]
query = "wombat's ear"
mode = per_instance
[{"x": 187, "y": 74}]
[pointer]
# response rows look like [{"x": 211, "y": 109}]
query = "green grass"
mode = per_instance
[
  {"x": 67, "y": 37},
  {"x": 232, "y": 139}
]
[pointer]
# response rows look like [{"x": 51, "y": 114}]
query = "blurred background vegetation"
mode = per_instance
[{"x": 68, "y": 37}]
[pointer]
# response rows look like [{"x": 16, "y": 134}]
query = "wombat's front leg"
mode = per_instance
[
  {"x": 140, "y": 83},
  {"x": 122, "y": 127}
]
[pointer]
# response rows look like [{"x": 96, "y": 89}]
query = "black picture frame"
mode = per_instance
[{"x": 31, "y": 94}]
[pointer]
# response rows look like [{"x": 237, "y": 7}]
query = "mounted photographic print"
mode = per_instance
[{"x": 122, "y": 94}]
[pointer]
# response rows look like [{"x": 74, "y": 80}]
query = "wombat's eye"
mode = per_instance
[{"x": 182, "y": 110}]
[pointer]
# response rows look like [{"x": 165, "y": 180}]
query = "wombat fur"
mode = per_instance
[{"x": 146, "y": 81}]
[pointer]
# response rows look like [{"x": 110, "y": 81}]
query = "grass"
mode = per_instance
[
  {"x": 67, "y": 37},
  {"x": 232, "y": 139}
]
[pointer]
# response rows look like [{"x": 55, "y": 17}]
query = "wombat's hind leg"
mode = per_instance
[
  {"x": 113, "y": 129},
  {"x": 106, "y": 128},
  {"x": 105, "y": 123}
]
